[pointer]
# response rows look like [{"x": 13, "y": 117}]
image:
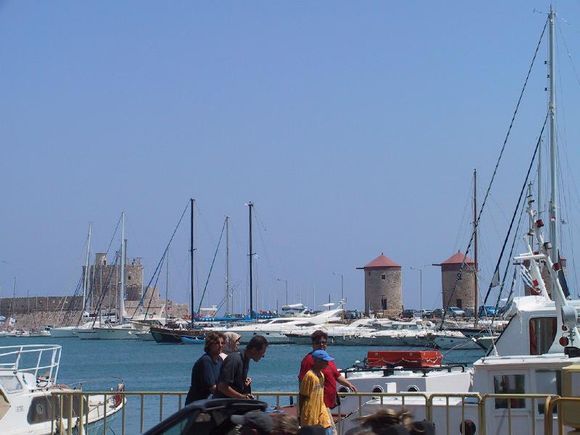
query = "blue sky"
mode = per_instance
[{"x": 354, "y": 127}]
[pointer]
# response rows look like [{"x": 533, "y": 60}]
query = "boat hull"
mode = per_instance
[
  {"x": 168, "y": 335},
  {"x": 64, "y": 332},
  {"x": 117, "y": 334}
]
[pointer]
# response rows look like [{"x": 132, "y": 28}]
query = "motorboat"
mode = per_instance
[
  {"x": 275, "y": 329},
  {"x": 336, "y": 332},
  {"x": 30, "y": 396}
]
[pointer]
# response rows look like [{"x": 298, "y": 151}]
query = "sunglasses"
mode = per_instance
[{"x": 322, "y": 342}]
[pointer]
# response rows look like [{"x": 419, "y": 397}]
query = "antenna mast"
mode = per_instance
[{"x": 554, "y": 214}]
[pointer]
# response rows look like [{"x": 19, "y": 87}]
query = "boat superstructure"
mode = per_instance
[{"x": 28, "y": 384}]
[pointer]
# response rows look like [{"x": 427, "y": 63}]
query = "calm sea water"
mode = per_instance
[{"x": 148, "y": 366}]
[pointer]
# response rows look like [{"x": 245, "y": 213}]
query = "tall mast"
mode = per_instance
[
  {"x": 191, "y": 252},
  {"x": 531, "y": 218},
  {"x": 554, "y": 214},
  {"x": 12, "y": 302},
  {"x": 86, "y": 277},
  {"x": 476, "y": 301},
  {"x": 229, "y": 308},
  {"x": 540, "y": 193},
  {"x": 122, "y": 287},
  {"x": 166, "y": 284},
  {"x": 251, "y": 254}
]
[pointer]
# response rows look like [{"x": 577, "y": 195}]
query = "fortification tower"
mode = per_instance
[
  {"x": 383, "y": 284},
  {"x": 104, "y": 278},
  {"x": 134, "y": 276},
  {"x": 458, "y": 289}
]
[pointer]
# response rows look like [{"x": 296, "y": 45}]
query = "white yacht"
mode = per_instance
[
  {"x": 29, "y": 401},
  {"x": 275, "y": 329},
  {"x": 336, "y": 332}
]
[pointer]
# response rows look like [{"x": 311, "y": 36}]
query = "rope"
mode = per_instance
[
  {"x": 507, "y": 266},
  {"x": 522, "y": 190},
  {"x": 487, "y": 192},
  {"x": 105, "y": 289},
  {"x": 158, "y": 267},
  {"x": 211, "y": 267}
]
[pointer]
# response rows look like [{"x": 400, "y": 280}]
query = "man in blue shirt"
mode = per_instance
[{"x": 205, "y": 371}]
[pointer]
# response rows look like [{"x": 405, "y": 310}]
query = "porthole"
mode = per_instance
[
  {"x": 413, "y": 389},
  {"x": 378, "y": 389},
  {"x": 343, "y": 389}
]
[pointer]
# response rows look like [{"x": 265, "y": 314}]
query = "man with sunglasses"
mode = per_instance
[{"x": 331, "y": 374}]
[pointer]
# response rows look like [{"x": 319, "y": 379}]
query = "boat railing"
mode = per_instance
[
  {"x": 144, "y": 409},
  {"x": 42, "y": 361},
  {"x": 567, "y": 408}
]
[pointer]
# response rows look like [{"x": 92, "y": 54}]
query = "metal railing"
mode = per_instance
[
  {"x": 143, "y": 409},
  {"x": 567, "y": 413}
]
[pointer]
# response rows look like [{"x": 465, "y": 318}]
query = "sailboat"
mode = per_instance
[
  {"x": 172, "y": 331},
  {"x": 70, "y": 331},
  {"x": 536, "y": 352},
  {"x": 122, "y": 330}
]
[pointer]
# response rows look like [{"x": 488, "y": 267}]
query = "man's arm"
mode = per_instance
[
  {"x": 343, "y": 381},
  {"x": 228, "y": 391},
  {"x": 305, "y": 365}
]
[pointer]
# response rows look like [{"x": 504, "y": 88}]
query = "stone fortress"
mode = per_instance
[{"x": 103, "y": 290}]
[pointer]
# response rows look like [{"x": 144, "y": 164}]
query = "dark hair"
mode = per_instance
[
  {"x": 257, "y": 342},
  {"x": 284, "y": 424},
  {"x": 317, "y": 335},
  {"x": 470, "y": 427},
  {"x": 211, "y": 338}
]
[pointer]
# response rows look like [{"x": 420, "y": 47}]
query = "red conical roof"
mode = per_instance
[
  {"x": 380, "y": 262},
  {"x": 457, "y": 259}
]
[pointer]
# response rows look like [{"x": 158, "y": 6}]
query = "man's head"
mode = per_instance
[
  {"x": 254, "y": 423},
  {"x": 321, "y": 359},
  {"x": 469, "y": 427},
  {"x": 380, "y": 419},
  {"x": 319, "y": 339},
  {"x": 256, "y": 347},
  {"x": 214, "y": 343},
  {"x": 284, "y": 424}
]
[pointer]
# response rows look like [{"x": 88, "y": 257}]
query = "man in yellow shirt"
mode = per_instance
[{"x": 313, "y": 410}]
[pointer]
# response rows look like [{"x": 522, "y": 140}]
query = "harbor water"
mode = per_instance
[{"x": 98, "y": 365}]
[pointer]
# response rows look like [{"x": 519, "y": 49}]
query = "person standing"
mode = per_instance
[
  {"x": 206, "y": 369},
  {"x": 312, "y": 409},
  {"x": 231, "y": 344},
  {"x": 331, "y": 374},
  {"x": 233, "y": 379}
]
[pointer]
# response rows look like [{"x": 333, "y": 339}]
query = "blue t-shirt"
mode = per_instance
[{"x": 204, "y": 375}]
